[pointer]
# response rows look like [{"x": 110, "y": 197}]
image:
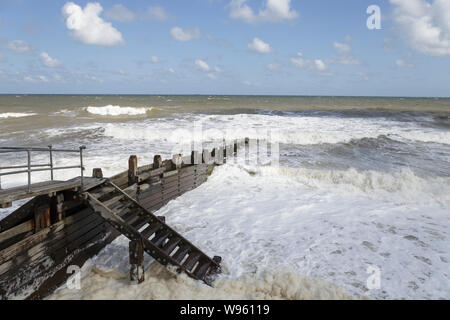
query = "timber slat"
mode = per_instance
[
  {"x": 160, "y": 237},
  {"x": 171, "y": 245}
]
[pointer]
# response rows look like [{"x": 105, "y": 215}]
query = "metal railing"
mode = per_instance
[{"x": 40, "y": 167}]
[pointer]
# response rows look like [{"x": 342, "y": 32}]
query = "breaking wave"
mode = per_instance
[
  {"x": 15, "y": 115},
  {"x": 287, "y": 130},
  {"x": 111, "y": 110},
  {"x": 402, "y": 185}
]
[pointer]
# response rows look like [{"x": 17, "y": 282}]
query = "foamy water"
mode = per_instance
[
  {"x": 15, "y": 115},
  {"x": 117, "y": 111},
  {"x": 355, "y": 190}
]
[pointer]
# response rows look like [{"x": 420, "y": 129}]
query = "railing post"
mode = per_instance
[
  {"x": 51, "y": 162},
  {"x": 29, "y": 170},
  {"x": 82, "y": 167}
]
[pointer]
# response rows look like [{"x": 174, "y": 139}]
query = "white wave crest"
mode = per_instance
[
  {"x": 402, "y": 185},
  {"x": 111, "y": 110},
  {"x": 15, "y": 115},
  {"x": 289, "y": 130}
]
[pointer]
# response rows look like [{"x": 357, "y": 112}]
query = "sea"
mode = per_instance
[{"x": 354, "y": 203}]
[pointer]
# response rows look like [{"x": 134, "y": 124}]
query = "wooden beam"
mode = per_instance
[
  {"x": 132, "y": 170},
  {"x": 97, "y": 173},
  {"x": 137, "y": 272},
  {"x": 157, "y": 162}
]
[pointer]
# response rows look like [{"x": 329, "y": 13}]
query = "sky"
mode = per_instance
[{"x": 255, "y": 47}]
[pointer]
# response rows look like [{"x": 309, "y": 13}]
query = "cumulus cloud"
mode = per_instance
[
  {"x": 88, "y": 27},
  {"x": 274, "y": 11},
  {"x": 49, "y": 61},
  {"x": 312, "y": 64},
  {"x": 202, "y": 65},
  {"x": 120, "y": 13},
  {"x": 154, "y": 59},
  {"x": 424, "y": 26},
  {"x": 185, "y": 35},
  {"x": 259, "y": 46},
  {"x": 19, "y": 46}
]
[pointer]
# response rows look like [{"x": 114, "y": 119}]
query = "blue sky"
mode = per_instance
[{"x": 278, "y": 47}]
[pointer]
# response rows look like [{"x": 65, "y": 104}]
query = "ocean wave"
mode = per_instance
[
  {"x": 402, "y": 185},
  {"x": 15, "y": 115},
  {"x": 286, "y": 130},
  {"x": 111, "y": 110}
]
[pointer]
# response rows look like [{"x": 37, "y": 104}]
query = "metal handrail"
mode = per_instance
[{"x": 29, "y": 165}]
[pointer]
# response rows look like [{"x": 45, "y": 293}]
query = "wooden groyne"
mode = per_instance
[{"x": 66, "y": 226}]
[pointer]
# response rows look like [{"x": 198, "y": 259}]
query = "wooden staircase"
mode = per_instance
[{"x": 150, "y": 232}]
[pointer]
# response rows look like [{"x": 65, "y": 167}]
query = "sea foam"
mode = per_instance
[
  {"x": 15, "y": 115},
  {"x": 162, "y": 284}
]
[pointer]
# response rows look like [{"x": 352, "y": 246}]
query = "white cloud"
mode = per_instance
[
  {"x": 88, "y": 27},
  {"x": 259, "y": 46},
  {"x": 171, "y": 70},
  {"x": 211, "y": 76},
  {"x": 344, "y": 53},
  {"x": 342, "y": 47},
  {"x": 424, "y": 26},
  {"x": 49, "y": 61},
  {"x": 274, "y": 11},
  {"x": 185, "y": 35},
  {"x": 218, "y": 69},
  {"x": 120, "y": 13},
  {"x": 316, "y": 64},
  {"x": 18, "y": 46},
  {"x": 202, "y": 65},
  {"x": 403, "y": 64},
  {"x": 154, "y": 59},
  {"x": 320, "y": 65},
  {"x": 157, "y": 13},
  {"x": 35, "y": 79}
]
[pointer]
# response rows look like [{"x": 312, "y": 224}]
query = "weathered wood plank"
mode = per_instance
[{"x": 21, "y": 228}]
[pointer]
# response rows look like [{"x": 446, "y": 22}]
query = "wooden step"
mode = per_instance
[
  {"x": 151, "y": 229},
  {"x": 181, "y": 253},
  {"x": 202, "y": 269},
  {"x": 171, "y": 245},
  {"x": 160, "y": 237},
  {"x": 191, "y": 260}
]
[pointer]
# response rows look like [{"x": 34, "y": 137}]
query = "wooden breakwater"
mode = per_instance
[{"x": 41, "y": 239}]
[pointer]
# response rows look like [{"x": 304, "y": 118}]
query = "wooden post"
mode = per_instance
[
  {"x": 219, "y": 152},
  {"x": 136, "y": 249},
  {"x": 97, "y": 173},
  {"x": 206, "y": 157},
  {"x": 195, "y": 157},
  {"x": 177, "y": 161},
  {"x": 157, "y": 162},
  {"x": 132, "y": 170},
  {"x": 57, "y": 210},
  {"x": 41, "y": 218}
]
